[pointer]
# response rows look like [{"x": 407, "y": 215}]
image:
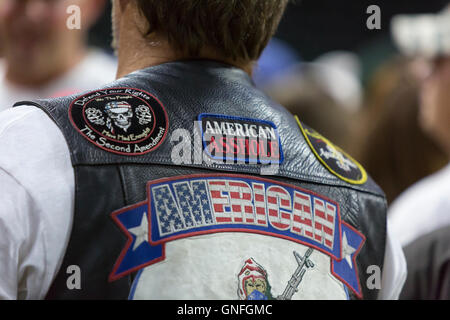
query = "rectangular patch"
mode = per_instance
[{"x": 236, "y": 139}]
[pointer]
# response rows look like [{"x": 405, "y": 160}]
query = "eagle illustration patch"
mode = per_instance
[
  {"x": 332, "y": 157},
  {"x": 124, "y": 121}
]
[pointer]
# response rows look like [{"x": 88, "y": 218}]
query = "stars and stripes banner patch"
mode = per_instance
[{"x": 188, "y": 206}]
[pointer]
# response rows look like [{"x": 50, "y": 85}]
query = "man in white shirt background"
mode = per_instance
[
  {"x": 45, "y": 56},
  {"x": 420, "y": 217},
  {"x": 425, "y": 206}
]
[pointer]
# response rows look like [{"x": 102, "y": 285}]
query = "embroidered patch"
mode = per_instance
[
  {"x": 237, "y": 139},
  {"x": 125, "y": 121},
  {"x": 253, "y": 282},
  {"x": 332, "y": 157},
  {"x": 185, "y": 207}
]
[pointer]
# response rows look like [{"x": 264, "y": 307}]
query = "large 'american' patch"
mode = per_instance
[{"x": 199, "y": 226}]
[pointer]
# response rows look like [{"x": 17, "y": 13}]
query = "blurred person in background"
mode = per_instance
[
  {"x": 275, "y": 63},
  {"x": 420, "y": 217},
  {"x": 303, "y": 95},
  {"x": 42, "y": 57},
  {"x": 326, "y": 93},
  {"x": 391, "y": 145},
  {"x": 426, "y": 206},
  {"x": 1, "y": 45},
  {"x": 428, "y": 263}
]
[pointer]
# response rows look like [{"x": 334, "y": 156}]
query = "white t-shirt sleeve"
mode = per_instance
[
  {"x": 394, "y": 269},
  {"x": 422, "y": 208},
  {"x": 18, "y": 241},
  {"x": 36, "y": 202}
]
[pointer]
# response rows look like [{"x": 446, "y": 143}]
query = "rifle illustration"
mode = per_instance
[{"x": 303, "y": 264}]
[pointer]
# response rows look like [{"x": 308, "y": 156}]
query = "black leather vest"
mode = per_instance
[{"x": 220, "y": 250}]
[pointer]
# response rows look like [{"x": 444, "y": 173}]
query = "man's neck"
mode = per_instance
[
  {"x": 145, "y": 54},
  {"x": 136, "y": 52}
]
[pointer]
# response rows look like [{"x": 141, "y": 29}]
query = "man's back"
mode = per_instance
[
  {"x": 130, "y": 184},
  {"x": 181, "y": 179}
]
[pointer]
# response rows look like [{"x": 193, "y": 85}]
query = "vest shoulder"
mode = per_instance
[
  {"x": 224, "y": 96},
  {"x": 337, "y": 161}
]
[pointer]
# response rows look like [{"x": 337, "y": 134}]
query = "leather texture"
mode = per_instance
[{"x": 106, "y": 181}]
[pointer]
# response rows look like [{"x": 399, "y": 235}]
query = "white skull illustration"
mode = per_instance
[{"x": 120, "y": 113}]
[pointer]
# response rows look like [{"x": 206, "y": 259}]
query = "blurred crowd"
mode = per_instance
[
  {"x": 397, "y": 124},
  {"x": 42, "y": 57}
]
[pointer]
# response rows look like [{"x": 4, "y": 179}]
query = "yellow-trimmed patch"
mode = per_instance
[{"x": 337, "y": 161}]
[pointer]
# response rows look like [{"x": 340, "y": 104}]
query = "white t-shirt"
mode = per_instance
[
  {"x": 96, "y": 69},
  {"x": 37, "y": 203},
  {"x": 422, "y": 208}
]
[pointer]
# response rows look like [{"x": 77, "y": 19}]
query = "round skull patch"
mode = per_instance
[{"x": 125, "y": 121}]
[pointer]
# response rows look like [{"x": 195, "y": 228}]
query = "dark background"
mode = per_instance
[
  {"x": 313, "y": 27},
  {"x": 316, "y": 26}
]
